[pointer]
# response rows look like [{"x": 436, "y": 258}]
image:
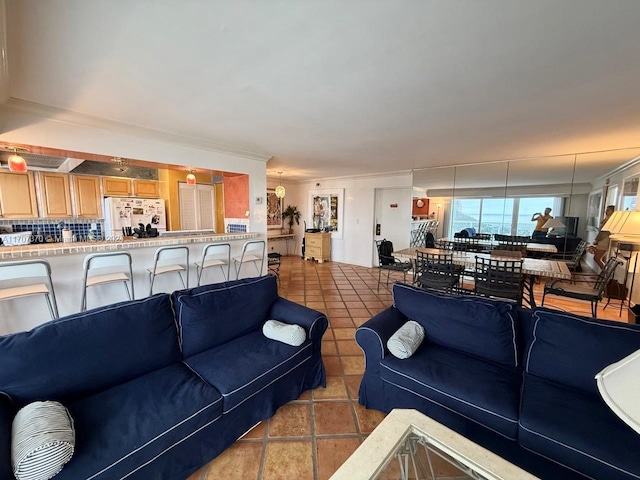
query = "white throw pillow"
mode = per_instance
[
  {"x": 406, "y": 340},
  {"x": 619, "y": 384},
  {"x": 42, "y": 440},
  {"x": 293, "y": 335}
]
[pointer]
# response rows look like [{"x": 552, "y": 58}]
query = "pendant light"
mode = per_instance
[
  {"x": 191, "y": 178},
  {"x": 280, "y": 191},
  {"x": 17, "y": 163}
]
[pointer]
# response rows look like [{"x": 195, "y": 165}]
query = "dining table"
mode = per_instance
[{"x": 532, "y": 268}]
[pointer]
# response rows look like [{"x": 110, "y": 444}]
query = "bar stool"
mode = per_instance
[
  {"x": 252, "y": 252},
  {"x": 168, "y": 260},
  {"x": 215, "y": 255},
  {"x": 107, "y": 262},
  {"x": 29, "y": 269}
]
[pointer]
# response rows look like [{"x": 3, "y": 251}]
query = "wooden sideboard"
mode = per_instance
[{"x": 317, "y": 246}]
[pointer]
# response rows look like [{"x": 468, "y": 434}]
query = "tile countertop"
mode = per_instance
[{"x": 50, "y": 249}]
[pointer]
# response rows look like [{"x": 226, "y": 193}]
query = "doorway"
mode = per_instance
[{"x": 392, "y": 218}]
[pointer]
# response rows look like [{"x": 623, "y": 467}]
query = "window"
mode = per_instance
[{"x": 507, "y": 216}]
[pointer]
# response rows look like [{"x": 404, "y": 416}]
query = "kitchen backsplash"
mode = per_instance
[{"x": 49, "y": 229}]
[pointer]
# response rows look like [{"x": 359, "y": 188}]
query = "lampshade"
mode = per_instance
[
  {"x": 623, "y": 223},
  {"x": 280, "y": 191},
  {"x": 17, "y": 163},
  {"x": 553, "y": 223},
  {"x": 619, "y": 384}
]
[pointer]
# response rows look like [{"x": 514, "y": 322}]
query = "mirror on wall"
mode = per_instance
[{"x": 502, "y": 197}]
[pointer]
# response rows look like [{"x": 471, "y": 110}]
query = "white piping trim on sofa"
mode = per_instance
[
  {"x": 156, "y": 437},
  {"x": 576, "y": 450},
  {"x": 556, "y": 462},
  {"x": 448, "y": 408},
  {"x": 271, "y": 382},
  {"x": 379, "y": 340},
  {"x": 449, "y": 395}
]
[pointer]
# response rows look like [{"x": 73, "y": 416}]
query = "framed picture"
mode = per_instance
[
  {"x": 327, "y": 211},
  {"x": 274, "y": 210},
  {"x": 594, "y": 210}
]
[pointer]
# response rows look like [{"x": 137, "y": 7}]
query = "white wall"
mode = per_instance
[{"x": 356, "y": 244}]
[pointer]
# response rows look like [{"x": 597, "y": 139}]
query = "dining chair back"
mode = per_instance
[{"x": 499, "y": 278}]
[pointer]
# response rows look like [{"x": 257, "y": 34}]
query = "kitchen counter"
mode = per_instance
[
  {"x": 66, "y": 260},
  {"x": 51, "y": 249}
]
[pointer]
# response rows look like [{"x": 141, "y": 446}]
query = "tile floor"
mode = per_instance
[{"x": 311, "y": 437}]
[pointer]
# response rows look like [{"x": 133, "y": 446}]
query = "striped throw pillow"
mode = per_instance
[{"x": 42, "y": 440}]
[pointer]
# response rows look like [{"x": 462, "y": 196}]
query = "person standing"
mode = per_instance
[
  {"x": 538, "y": 231},
  {"x": 601, "y": 242}
]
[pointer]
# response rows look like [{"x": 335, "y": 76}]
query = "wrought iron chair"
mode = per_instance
[
  {"x": 583, "y": 290},
  {"x": 573, "y": 262},
  {"x": 436, "y": 271},
  {"x": 388, "y": 262},
  {"x": 499, "y": 278},
  {"x": 510, "y": 249}
]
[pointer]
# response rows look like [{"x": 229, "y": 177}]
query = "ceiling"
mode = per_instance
[{"x": 331, "y": 88}]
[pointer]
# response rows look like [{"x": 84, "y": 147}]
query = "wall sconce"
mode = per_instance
[
  {"x": 17, "y": 162},
  {"x": 191, "y": 178},
  {"x": 280, "y": 191}
]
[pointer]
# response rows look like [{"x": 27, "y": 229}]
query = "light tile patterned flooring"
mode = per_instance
[{"x": 311, "y": 437}]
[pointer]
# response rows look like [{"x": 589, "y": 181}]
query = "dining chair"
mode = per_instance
[
  {"x": 584, "y": 290},
  {"x": 573, "y": 262},
  {"x": 436, "y": 271},
  {"x": 499, "y": 278},
  {"x": 386, "y": 261}
]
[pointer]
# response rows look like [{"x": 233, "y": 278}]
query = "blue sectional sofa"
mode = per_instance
[
  {"x": 160, "y": 386},
  {"x": 518, "y": 382}
]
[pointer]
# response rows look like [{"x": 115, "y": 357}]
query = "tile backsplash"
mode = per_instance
[{"x": 49, "y": 229}]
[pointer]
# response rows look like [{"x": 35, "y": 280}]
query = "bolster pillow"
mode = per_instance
[
  {"x": 293, "y": 335},
  {"x": 406, "y": 340}
]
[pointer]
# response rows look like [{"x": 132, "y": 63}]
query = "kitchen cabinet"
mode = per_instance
[
  {"x": 116, "y": 187},
  {"x": 88, "y": 202},
  {"x": 18, "y": 195},
  {"x": 56, "y": 194},
  {"x": 317, "y": 246},
  {"x": 146, "y": 188}
]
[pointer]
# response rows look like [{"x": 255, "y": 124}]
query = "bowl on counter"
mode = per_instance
[{"x": 15, "y": 239}]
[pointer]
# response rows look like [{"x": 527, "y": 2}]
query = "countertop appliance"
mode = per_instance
[{"x": 123, "y": 213}]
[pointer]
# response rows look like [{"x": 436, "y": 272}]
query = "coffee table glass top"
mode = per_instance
[{"x": 408, "y": 445}]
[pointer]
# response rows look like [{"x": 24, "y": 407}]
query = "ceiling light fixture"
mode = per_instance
[
  {"x": 17, "y": 163},
  {"x": 191, "y": 178},
  {"x": 280, "y": 191}
]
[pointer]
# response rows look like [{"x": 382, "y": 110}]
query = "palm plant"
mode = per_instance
[{"x": 292, "y": 213}]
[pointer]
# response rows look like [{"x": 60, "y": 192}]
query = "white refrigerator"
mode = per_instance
[{"x": 123, "y": 214}]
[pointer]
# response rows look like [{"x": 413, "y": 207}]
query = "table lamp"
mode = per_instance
[{"x": 553, "y": 223}]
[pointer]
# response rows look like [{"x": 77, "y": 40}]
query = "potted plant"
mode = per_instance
[{"x": 292, "y": 213}]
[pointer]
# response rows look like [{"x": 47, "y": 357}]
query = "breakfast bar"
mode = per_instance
[{"x": 66, "y": 260}]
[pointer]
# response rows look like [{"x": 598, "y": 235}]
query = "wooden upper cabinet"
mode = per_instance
[
  {"x": 18, "y": 195},
  {"x": 116, "y": 187},
  {"x": 88, "y": 201},
  {"x": 56, "y": 194},
  {"x": 146, "y": 188}
]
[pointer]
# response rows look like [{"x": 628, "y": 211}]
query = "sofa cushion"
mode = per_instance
[
  {"x": 481, "y": 327},
  {"x": 212, "y": 315},
  {"x": 122, "y": 428},
  {"x": 484, "y": 392},
  {"x": 87, "y": 352},
  {"x": 247, "y": 365},
  {"x": 577, "y": 429},
  {"x": 571, "y": 350}
]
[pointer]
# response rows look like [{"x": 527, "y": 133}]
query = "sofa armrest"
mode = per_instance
[
  {"x": 7, "y": 412},
  {"x": 372, "y": 336},
  {"x": 313, "y": 321}
]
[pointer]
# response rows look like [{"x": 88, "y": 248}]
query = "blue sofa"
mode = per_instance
[
  {"x": 517, "y": 382},
  {"x": 160, "y": 386}
]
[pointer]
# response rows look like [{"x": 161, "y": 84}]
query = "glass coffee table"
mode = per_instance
[{"x": 408, "y": 445}]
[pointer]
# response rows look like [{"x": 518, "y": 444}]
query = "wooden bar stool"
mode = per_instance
[
  {"x": 215, "y": 255},
  {"x": 114, "y": 267},
  {"x": 169, "y": 260},
  {"x": 29, "y": 269}
]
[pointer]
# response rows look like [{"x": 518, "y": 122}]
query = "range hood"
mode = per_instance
[{"x": 43, "y": 162}]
